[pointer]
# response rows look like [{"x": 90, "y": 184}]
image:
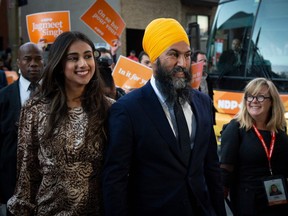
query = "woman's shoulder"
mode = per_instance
[
  {"x": 232, "y": 128},
  {"x": 232, "y": 124},
  {"x": 110, "y": 100}
]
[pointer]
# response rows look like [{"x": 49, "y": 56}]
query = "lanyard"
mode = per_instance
[{"x": 268, "y": 151}]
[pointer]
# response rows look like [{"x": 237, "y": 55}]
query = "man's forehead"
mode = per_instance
[
  {"x": 179, "y": 47},
  {"x": 201, "y": 56},
  {"x": 105, "y": 55},
  {"x": 31, "y": 54},
  {"x": 30, "y": 51}
]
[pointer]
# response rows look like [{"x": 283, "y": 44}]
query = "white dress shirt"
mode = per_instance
[
  {"x": 23, "y": 88},
  {"x": 186, "y": 109}
]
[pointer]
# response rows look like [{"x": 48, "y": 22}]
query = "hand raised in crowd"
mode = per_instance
[{"x": 116, "y": 46}]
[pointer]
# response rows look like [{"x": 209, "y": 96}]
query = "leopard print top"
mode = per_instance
[{"x": 59, "y": 175}]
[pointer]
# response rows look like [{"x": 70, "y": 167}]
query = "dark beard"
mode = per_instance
[{"x": 172, "y": 87}]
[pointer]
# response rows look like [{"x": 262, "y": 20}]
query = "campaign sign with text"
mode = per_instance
[
  {"x": 196, "y": 70},
  {"x": 105, "y": 21},
  {"x": 47, "y": 25},
  {"x": 129, "y": 74}
]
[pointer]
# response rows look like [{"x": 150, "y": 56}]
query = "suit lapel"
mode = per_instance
[
  {"x": 203, "y": 112},
  {"x": 16, "y": 94},
  {"x": 154, "y": 110},
  {"x": 15, "y": 103},
  {"x": 195, "y": 107}
]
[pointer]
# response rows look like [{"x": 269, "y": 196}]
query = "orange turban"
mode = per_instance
[{"x": 160, "y": 34}]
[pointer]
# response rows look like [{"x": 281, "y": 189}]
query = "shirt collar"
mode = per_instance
[
  {"x": 160, "y": 96},
  {"x": 24, "y": 83}
]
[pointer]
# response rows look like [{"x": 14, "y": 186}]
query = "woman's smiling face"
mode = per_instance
[
  {"x": 79, "y": 65},
  {"x": 260, "y": 110}
]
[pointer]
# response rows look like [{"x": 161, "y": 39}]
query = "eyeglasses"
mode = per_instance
[{"x": 259, "y": 98}]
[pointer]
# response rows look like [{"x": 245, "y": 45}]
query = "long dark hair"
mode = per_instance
[{"x": 93, "y": 101}]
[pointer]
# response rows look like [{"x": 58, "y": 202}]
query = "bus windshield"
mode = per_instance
[{"x": 248, "y": 40}]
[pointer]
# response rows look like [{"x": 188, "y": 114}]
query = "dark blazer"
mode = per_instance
[
  {"x": 144, "y": 173},
  {"x": 10, "y": 106}
]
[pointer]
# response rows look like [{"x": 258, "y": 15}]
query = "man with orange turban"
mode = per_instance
[{"x": 162, "y": 157}]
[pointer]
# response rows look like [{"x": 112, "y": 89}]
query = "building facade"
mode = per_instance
[{"x": 136, "y": 14}]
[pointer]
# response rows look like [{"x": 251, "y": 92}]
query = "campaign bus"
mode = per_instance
[{"x": 248, "y": 39}]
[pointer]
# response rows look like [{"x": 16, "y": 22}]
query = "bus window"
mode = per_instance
[
  {"x": 227, "y": 49},
  {"x": 268, "y": 53}
]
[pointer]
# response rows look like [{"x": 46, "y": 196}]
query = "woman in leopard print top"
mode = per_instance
[{"x": 62, "y": 135}]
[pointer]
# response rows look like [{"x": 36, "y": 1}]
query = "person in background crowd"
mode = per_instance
[
  {"x": 254, "y": 146},
  {"x": 106, "y": 58},
  {"x": 42, "y": 43},
  {"x": 159, "y": 162},
  {"x": 105, "y": 63},
  {"x": 236, "y": 46},
  {"x": 3, "y": 80},
  {"x": 2, "y": 65},
  {"x": 144, "y": 59},
  {"x": 234, "y": 54},
  {"x": 7, "y": 57},
  {"x": 230, "y": 61},
  {"x": 62, "y": 135},
  {"x": 132, "y": 56},
  {"x": 206, "y": 84},
  {"x": 30, "y": 63},
  {"x": 116, "y": 45},
  {"x": 200, "y": 56}
]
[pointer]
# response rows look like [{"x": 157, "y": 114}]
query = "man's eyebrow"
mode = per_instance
[{"x": 175, "y": 50}]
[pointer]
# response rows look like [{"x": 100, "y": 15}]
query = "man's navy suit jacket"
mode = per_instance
[
  {"x": 144, "y": 173},
  {"x": 10, "y": 106}
]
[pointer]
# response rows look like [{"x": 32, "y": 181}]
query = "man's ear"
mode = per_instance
[
  {"x": 18, "y": 62},
  {"x": 154, "y": 65}
]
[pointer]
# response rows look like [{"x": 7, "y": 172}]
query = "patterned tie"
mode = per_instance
[
  {"x": 32, "y": 87},
  {"x": 183, "y": 131}
]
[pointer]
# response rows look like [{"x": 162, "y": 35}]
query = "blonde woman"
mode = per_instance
[{"x": 254, "y": 151}]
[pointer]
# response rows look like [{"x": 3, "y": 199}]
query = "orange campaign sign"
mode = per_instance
[
  {"x": 47, "y": 25},
  {"x": 227, "y": 102},
  {"x": 104, "y": 21},
  {"x": 129, "y": 74},
  {"x": 196, "y": 70},
  {"x": 11, "y": 76}
]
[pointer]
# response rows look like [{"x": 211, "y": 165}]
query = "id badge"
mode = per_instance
[{"x": 276, "y": 191}]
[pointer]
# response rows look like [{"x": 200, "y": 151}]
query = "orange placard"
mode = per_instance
[
  {"x": 196, "y": 70},
  {"x": 105, "y": 21},
  {"x": 129, "y": 74},
  {"x": 47, "y": 25},
  {"x": 11, "y": 76},
  {"x": 227, "y": 102},
  {"x": 284, "y": 98}
]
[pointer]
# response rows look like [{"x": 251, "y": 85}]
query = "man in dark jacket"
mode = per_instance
[
  {"x": 162, "y": 157},
  {"x": 12, "y": 97}
]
